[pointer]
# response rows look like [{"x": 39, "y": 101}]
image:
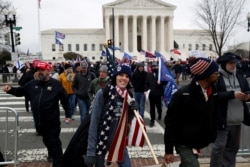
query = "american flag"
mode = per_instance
[
  {"x": 177, "y": 52},
  {"x": 135, "y": 136},
  {"x": 118, "y": 145},
  {"x": 147, "y": 54},
  {"x": 39, "y": 4},
  {"x": 59, "y": 37},
  {"x": 114, "y": 152},
  {"x": 110, "y": 63}
]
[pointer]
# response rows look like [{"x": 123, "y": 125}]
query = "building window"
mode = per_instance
[
  {"x": 69, "y": 47},
  {"x": 189, "y": 47},
  {"x": 77, "y": 47},
  {"x": 93, "y": 58},
  {"x": 85, "y": 47},
  {"x": 100, "y": 47},
  {"x": 196, "y": 46},
  {"x": 93, "y": 47},
  {"x": 53, "y": 47},
  {"x": 203, "y": 47},
  {"x": 210, "y": 47},
  {"x": 61, "y": 48}
]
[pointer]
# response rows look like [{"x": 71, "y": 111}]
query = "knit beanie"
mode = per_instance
[
  {"x": 122, "y": 68},
  {"x": 103, "y": 68},
  {"x": 201, "y": 68}
]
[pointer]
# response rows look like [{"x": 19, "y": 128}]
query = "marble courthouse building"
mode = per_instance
[{"x": 133, "y": 25}]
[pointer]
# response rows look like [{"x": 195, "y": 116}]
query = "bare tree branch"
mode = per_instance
[{"x": 219, "y": 18}]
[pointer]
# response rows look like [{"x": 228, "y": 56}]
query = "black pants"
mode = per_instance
[
  {"x": 27, "y": 103},
  {"x": 52, "y": 141},
  {"x": 155, "y": 101}
]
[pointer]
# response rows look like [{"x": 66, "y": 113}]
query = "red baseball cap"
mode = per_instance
[
  {"x": 43, "y": 66},
  {"x": 35, "y": 62}
]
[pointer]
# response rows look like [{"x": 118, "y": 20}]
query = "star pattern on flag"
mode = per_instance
[{"x": 109, "y": 114}]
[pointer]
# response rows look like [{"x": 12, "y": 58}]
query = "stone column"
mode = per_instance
[
  {"x": 144, "y": 33},
  {"x": 125, "y": 33},
  {"x": 117, "y": 31},
  {"x": 134, "y": 40},
  {"x": 170, "y": 42},
  {"x": 162, "y": 41},
  {"x": 153, "y": 34},
  {"x": 107, "y": 28}
]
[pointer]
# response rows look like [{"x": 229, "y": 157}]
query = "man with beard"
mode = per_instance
[
  {"x": 192, "y": 114},
  {"x": 45, "y": 93}
]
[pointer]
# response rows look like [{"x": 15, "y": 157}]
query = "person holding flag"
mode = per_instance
[
  {"x": 156, "y": 93},
  {"x": 191, "y": 119},
  {"x": 109, "y": 124}
]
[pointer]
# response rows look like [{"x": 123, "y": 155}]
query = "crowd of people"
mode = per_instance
[{"x": 193, "y": 120}]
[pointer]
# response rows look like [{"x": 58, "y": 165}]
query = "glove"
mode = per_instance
[
  {"x": 89, "y": 160},
  {"x": 133, "y": 105}
]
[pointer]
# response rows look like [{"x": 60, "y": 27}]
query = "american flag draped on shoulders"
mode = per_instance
[
  {"x": 120, "y": 140},
  {"x": 166, "y": 75}
]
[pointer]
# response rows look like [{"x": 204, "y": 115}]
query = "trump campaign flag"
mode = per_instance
[
  {"x": 166, "y": 75},
  {"x": 59, "y": 37}
]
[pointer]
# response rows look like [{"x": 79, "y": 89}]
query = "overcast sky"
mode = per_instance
[{"x": 88, "y": 14}]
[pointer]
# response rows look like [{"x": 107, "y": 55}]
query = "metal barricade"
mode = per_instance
[
  {"x": 9, "y": 132},
  {"x": 245, "y": 138}
]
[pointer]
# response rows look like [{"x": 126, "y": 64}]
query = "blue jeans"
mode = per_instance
[
  {"x": 72, "y": 98},
  {"x": 84, "y": 105},
  {"x": 188, "y": 158},
  {"x": 125, "y": 163},
  {"x": 140, "y": 100}
]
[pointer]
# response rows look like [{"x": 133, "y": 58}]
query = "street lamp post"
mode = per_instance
[
  {"x": 10, "y": 22},
  {"x": 248, "y": 29}
]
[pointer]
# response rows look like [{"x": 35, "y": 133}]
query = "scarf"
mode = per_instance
[{"x": 120, "y": 135}]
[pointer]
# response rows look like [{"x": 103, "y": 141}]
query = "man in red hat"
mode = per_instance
[{"x": 45, "y": 93}]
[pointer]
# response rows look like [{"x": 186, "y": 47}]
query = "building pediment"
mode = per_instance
[{"x": 140, "y": 3}]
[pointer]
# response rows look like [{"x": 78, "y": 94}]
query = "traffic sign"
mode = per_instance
[{"x": 17, "y": 28}]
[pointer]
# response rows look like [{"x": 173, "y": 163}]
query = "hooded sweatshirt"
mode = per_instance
[{"x": 235, "y": 110}]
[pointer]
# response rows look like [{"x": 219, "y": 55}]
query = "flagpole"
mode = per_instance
[
  {"x": 146, "y": 137},
  {"x": 113, "y": 22},
  {"x": 144, "y": 133},
  {"x": 39, "y": 30},
  {"x": 159, "y": 68}
]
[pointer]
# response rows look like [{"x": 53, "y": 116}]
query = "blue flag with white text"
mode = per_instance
[{"x": 166, "y": 75}]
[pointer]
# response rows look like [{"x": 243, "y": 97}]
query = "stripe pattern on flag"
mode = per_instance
[{"x": 136, "y": 137}]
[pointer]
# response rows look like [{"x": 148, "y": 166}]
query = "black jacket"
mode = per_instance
[
  {"x": 44, "y": 98},
  {"x": 190, "y": 120},
  {"x": 139, "y": 81},
  {"x": 155, "y": 88},
  {"x": 77, "y": 147}
]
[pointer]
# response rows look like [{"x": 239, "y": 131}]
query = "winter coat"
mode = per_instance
[
  {"x": 67, "y": 82},
  {"x": 81, "y": 84},
  {"x": 44, "y": 98},
  {"x": 190, "y": 119}
]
